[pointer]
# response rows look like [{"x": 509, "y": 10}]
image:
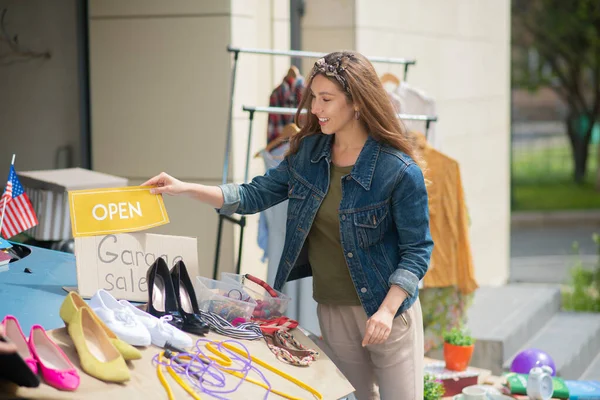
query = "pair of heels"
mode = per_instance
[
  {"x": 172, "y": 294},
  {"x": 42, "y": 355},
  {"x": 101, "y": 353}
]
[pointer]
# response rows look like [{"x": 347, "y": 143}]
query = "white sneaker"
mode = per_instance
[
  {"x": 120, "y": 319},
  {"x": 160, "y": 329}
]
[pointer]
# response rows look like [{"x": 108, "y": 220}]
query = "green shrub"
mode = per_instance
[
  {"x": 433, "y": 389},
  {"x": 458, "y": 337},
  {"x": 582, "y": 292}
]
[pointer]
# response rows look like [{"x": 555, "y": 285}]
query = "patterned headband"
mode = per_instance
[{"x": 335, "y": 70}]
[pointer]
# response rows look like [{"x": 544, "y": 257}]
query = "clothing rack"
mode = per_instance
[
  {"x": 292, "y": 53},
  {"x": 428, "y": 119}
]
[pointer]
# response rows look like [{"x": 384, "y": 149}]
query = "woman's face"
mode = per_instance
[{"x": 330, "y": 105}]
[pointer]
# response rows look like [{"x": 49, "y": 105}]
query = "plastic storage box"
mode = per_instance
[
  {"x": 227, "y": 299},
  {"x": 266, "y": 305}
]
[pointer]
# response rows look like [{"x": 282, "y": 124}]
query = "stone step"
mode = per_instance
[
  {"x": 503, "y": 318},
  {"x": 593, "y": 370},
  {"x": 571, "y": 339}
]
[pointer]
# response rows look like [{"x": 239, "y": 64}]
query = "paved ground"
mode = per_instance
[
  {"x": 556, "y": 241},
  {"x": 545, "y": 255}
]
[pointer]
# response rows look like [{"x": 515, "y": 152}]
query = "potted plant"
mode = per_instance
[
  {"x": 458, "y": 349},
  {"x": 432, "y": 389}
]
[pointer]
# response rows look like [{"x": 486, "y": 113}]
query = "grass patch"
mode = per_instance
[
  {"x": 542, "y": 180},
  {"x": 555, "y": 196}
]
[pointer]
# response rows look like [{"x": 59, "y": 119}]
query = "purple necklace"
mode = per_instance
[{"x": 206, "y": 375}]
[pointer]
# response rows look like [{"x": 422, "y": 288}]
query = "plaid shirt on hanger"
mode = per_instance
[{"x": 287, "y": 94}]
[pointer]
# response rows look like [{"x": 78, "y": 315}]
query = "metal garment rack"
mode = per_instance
[
  {"x": 428, "y": 119},
  {"x": 291, "y": 53}
]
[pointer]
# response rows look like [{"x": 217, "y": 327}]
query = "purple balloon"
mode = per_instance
[{"x": 530, "y": 358}]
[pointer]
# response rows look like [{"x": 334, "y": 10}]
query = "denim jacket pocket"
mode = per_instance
[
  {"x": 297, "y": 195},
  {"x": 371, "y": 225}
]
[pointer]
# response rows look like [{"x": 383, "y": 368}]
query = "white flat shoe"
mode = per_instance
[
  {"x": 119, "y": 319},
  {"x": 160, "y": 329}
]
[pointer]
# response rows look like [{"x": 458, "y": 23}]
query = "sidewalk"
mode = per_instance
[
  {"x": 554, "y": 219},
  {"x": 542, "y": 251}
]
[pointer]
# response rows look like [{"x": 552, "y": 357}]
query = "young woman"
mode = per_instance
[{"x": 358, "y": 222}]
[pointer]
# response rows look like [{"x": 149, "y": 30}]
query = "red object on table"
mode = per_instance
[
  {"x": 454, "y": 381},
  {"x": 262, "y": 283},
  {"x": 270, "y": 326}
]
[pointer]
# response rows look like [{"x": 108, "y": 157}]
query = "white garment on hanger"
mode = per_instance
[
  {"x": 410, "y": 100},
  {"x": 416, "y": 102},
  {"x": 396, "y": 103}
]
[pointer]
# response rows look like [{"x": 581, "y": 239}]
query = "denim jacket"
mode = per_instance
[{"x": 383, "y": 214}]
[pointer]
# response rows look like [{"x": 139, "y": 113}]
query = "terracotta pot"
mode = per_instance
[{"x": 457, "y": 357}]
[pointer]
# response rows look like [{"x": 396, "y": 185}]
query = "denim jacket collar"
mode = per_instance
[
  {"x": 365, "y": 164},
  {"x": 323, "y": 149}
]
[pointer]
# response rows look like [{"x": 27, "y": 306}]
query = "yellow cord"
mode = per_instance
[
  {"x": 247, "y": 378},
  {"x": 225, "y": 361},
  {"x": 258, "y": 361},
  {"x": 183, "y": 384},
  {"x": 162, "y": 379},
  {"x": 177, "y": 378}
]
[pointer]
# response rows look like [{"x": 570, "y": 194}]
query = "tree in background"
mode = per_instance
[{"x": 565, "y": 34}]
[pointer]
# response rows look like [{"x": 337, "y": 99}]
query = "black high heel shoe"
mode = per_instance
[
  {"x": 188, "y": 304},
  {"x": 161, "y": 294}
]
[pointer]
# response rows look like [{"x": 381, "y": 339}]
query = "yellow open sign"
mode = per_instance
[{"x": 115, "y": 210}]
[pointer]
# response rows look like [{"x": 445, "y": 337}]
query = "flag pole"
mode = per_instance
[{"x": 12, "y": 163}]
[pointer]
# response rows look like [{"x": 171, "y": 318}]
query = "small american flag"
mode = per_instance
[{"x": 18, "y": 214}]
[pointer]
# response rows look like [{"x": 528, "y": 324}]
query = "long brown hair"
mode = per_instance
[{"x": 365, "y": 90}]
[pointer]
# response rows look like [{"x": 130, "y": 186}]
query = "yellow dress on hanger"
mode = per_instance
[{"x": 450, "y": 281}]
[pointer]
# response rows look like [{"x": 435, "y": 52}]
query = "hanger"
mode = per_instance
[
  {"x": 389, "y": 78},
  {"x": 293, "y": 72},
  {"x": 12, "y": 41},
  {"x": 287, "y": 132}
]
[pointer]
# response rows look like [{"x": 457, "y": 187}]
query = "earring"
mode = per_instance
[{"x": 356, "y": 114}]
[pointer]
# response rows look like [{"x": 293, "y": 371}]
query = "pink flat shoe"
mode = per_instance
[
  {"x": 56, "y": 368},
  {"x": 13, "y": 331}
]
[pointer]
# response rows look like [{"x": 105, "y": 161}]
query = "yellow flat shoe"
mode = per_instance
[
  {"x": 97, "y": 355},
  {"x": 73, "y": 302}
]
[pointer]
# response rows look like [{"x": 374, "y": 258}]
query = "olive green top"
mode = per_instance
[{"x": 332, "y": 283}]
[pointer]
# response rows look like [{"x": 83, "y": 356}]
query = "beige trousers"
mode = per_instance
[{"x": 389, "y": 371}]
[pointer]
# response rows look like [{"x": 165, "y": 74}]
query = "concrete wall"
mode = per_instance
[
  {"x": 160, "y": 82},
  {"x": 256, "y": 24},
  {"x": 463, "y": 61},
  {"x": 39, "y": 98}
]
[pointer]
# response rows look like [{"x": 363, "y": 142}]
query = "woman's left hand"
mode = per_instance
[{"x": 379, "y": 327}]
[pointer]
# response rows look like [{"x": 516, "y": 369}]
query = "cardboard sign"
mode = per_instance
[
  {"x": 118, "y": 263},
  {"x": 115, "y": 210}
]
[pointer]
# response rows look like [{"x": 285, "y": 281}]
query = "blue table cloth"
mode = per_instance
[{"x": 35, "y": 298}]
